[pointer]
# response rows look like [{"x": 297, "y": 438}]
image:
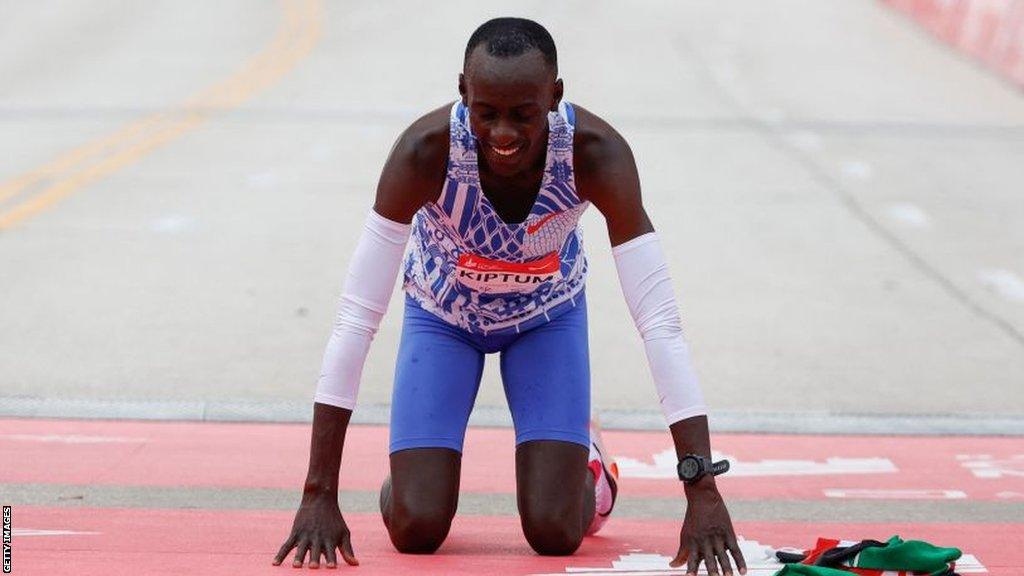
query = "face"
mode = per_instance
[
  {"x": 508, "y": 101},
  {"x": 690, "y": 468}
]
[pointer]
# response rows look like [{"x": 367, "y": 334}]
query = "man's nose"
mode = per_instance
[{"x": 503, "y": 133}]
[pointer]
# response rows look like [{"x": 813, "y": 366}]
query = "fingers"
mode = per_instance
[
  {"x": 680, "y": 557},
  {"x": 723, "y": 558},
  {"x": 737, "y": 554},
  {"x": 332, "y": 556},
  {"x": 709, "y": 558},
  {"x": 683, "y": 552},
  {"x": 285, "y": 549},
  {"x": 693, "y": 561},
  {"x": 314, "y": 555},
  {"x": 346, "y": 551},
  {"x": 300, "y": 554},
  {"x": 316, "y": 550}
]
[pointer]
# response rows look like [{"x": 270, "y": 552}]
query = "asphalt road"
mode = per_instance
[{"x": 182, "y": 185}]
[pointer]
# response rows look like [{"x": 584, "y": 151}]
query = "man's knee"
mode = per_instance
[
  {"x": 419, "y": 499},
  {"x": 419, "y": 528},
  {"x": 550, "y": 533},
  {"x": 551, "y": 508}
]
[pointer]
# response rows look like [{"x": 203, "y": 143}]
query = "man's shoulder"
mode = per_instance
[
  {"x": 602, "y": 160},
  {"x": 424, "y": 144},
  {"x": 596, "y": 143},
  {"x": 606, "y": 175},
  {"x": 415, "y": 170}
]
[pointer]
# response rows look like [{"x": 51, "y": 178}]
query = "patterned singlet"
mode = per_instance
[{"x": 470, "y": 268}]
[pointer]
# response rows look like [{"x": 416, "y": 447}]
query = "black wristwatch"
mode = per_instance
[{"x": 693, "y": 467}]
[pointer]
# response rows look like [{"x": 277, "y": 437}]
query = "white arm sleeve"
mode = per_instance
[
  {"x": 647, "y": 287},
  {"x": 364, "y": 299}
]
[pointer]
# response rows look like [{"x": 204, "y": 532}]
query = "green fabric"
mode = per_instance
[
  {"x": 910, "y": 555},
  {"x": 913, "y": 555},
  {"x": 805, "y": 570}
]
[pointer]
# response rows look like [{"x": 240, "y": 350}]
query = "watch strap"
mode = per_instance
[{"x": 720, "y": 467}]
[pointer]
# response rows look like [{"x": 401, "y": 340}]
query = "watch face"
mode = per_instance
[{"x": 689, "y": 467}]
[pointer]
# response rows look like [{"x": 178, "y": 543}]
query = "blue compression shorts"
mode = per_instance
[{"x": 545, "y": 371}]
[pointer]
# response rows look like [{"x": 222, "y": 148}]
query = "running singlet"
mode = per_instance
[{"x": 470, "y": 268}]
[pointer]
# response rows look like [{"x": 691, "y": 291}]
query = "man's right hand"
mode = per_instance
[{"x": 320, "y": 530}]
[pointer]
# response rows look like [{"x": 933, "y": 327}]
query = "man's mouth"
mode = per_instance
[{"x": 506, "y": 152}]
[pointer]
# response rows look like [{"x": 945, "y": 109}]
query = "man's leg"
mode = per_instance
[
  {"x": 546, "y": 373},
  {"x": 418, "y": 500},
  {"x": 555, "y": 493},
  {"x": 437, "y": 375}
]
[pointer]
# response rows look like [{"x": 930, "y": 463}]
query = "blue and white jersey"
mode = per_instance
[{"x": 472, "y": 269}]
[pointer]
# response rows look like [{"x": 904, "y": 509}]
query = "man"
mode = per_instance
[{"x": 490, "y": 189}]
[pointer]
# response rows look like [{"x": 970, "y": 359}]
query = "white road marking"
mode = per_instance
[
  {"x": 909, "y": 214},
  {"x": 894, "y": 494},
  {"x": 664, "y": 466},
  {"x": 71, "y": 438},
  {"x": 1003, "y": 282},
  {"x": 858, "y": 169},
  {"x": 760, "y": 560},
  {"x": 968, "y": 564},
  {"x": 985, "y": 466},
  {"x": 1009, "y": 495},
  {"x": 19, "y": 532}
]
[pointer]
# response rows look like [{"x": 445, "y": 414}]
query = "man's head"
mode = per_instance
[{"x": 510, "y": 81}]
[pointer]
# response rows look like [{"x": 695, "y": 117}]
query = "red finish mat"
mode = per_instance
[
  {"x": 79, "y": 540},
  {"x": 113, "y": 542},
  {"x": 276, "y": 456}
]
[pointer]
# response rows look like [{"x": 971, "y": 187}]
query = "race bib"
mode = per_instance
[{"x": 495, "y": 276}]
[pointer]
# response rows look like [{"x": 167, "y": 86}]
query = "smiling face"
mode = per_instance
[{"x": 508, "y": 100}]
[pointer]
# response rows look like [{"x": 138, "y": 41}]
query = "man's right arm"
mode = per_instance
[{"x": 412, "y": 176}]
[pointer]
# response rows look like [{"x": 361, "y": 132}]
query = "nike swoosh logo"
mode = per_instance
[{"x": 536, "y": 226}]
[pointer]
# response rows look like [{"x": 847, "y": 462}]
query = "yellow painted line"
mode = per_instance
[
  {"x": 255, "y": 68},
  {"x": 104, "y": 166},
  {"x": 90, "y": 162},
  {"x": 72, "y": 158}
]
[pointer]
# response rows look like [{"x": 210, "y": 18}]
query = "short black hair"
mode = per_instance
[{"x": 507, "y": 37}]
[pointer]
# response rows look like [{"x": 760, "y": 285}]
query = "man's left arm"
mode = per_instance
[{"x": 606, "y": 175}]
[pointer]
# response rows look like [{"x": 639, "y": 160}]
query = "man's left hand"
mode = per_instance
[{"x": 707, "y": 533}]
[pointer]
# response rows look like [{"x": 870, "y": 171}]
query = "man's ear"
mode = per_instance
[
  {"x": 559, "y": 90},
  {"x": 462, "y": 88}
]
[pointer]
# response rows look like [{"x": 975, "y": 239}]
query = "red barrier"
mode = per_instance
[{"x": 991, "y": 31}]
